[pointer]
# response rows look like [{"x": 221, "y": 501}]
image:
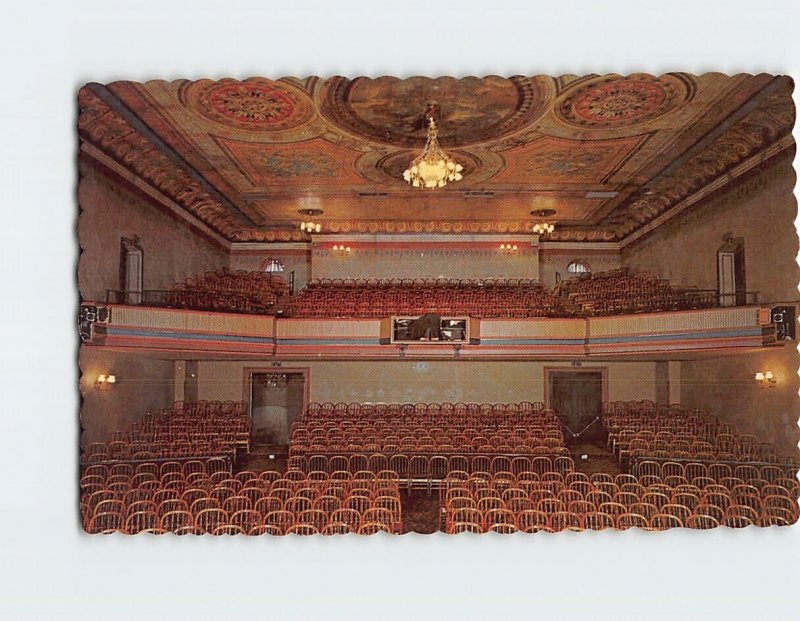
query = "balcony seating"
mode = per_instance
[
  {"x": 239, "y": 291},
  {"x": 381, "y": 298},
  {"x": 621, "y": 291}
]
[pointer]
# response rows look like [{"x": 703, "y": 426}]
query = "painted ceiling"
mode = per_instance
[{"x": 609, "y": 154}]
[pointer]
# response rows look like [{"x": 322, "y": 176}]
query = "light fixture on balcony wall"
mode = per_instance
[
  {"x": 766, "y": 379},
  {"x": 340, "y": 250},
  {"x": 432, "y": 168},
  {"x": 508, "y": 249}
]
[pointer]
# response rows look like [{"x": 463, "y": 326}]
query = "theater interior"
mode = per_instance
[{"x": 499, "y": 304}]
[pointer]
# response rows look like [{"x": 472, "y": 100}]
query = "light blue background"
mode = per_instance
[{"x": 49, "y": 569}]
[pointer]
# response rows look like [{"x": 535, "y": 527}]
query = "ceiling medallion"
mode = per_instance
[
  {"x": 256, "y": 104},
  {"x": 543, "y": 213},
  {"x": 615, "y": 102},
  {"x": 433, "y": 168}
]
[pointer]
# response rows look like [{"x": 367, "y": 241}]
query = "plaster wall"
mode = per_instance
[
  {"x": 170, "y": 250},
  {"x": 761, "y": 209},
  {"x": 399, "y": 260},
  {"x": 725, "y": 386},
  {"x": 425, "y": 381},
  {"x": 143, "y": 384}
]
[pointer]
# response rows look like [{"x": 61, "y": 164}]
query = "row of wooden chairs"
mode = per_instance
[
  {"x": 427, "y": 472},
  {"x": 189, "y": 429},
  {"x": 387, "y": 283},
  {"x": 530, "y": 502},
  {"x": 448, "y": 412},
  {"x": 248, "y": 503},
  {"x": 641, "y": 431}
]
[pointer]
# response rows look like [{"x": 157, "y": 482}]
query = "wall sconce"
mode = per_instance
[
  {"x": 341, "y": 251},
  {"x": 104, "y": 380},
  {"x": 766, "y": 379},
  {"x": 310, "y": 227},
  {"x": 508, "y": 248}
]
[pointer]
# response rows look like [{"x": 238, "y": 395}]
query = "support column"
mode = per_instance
[
  {"x": 674, "y": 374},
  {"x": 179, "y": 377}
]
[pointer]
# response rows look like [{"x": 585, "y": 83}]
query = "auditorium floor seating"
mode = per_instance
[{"x": 338, "y": 484}]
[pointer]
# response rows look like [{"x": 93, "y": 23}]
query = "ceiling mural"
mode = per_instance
[
  {"x": 471, "y": 110},
  {"x": 608, "y": 153}
]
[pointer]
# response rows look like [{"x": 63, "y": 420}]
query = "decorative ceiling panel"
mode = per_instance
[
  {"x": 549, "y": 161},
  {"x": 245, "y": 155},
  {"x": 311, "y": 165}
]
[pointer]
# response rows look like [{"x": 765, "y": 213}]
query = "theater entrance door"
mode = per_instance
[
  {"x": 577, "y": 398},
  {"x": 276, "y": 400}
]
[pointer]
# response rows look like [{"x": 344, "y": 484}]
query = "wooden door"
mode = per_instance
[
  {"x": 577, "y": 398},
  {"x": 276, "y": 400}
]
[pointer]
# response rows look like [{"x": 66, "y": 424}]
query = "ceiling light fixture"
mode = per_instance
[
  {"x": 310, "y": 227},
  {"x": 433, "y": 168},
  {"x": 543, "y": 228}
]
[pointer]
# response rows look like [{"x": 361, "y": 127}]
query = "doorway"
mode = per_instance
[
  {"x": 577, "y": 398},
  {"x": 277, "y": 399}
]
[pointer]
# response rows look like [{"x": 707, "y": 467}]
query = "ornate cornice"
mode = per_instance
[
  {"x": 764, "y": 129},
  {"x": 105, "y": 129}
]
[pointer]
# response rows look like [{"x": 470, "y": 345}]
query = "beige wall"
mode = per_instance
[
  {"x": 553, "y": 260},
  {"x": 109, "y": 212},
  {"x": 725, "y": 386},
  {"x": 762, "y": 210},
  {"x": 431, "y": 261},
  {"x": 430, "y": 381},
  {"x": 143, "y": 384}
]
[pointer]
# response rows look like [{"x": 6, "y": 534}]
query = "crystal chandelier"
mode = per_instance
[
  {"x": 543, "y": 228},
  {"x": 433, "y": 168}
]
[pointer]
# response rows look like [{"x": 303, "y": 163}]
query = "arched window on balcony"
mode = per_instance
[
  {"x": 579, "y": 266},
  {"x": 272, "y": 265}
]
